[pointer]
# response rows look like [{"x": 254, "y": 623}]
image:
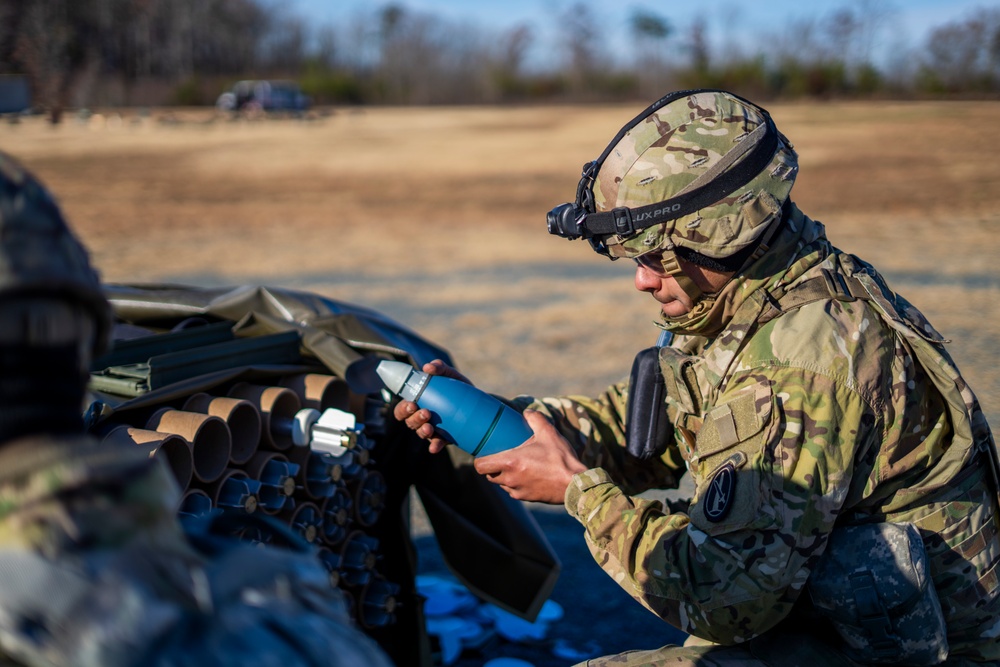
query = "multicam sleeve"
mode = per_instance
[
  {"x": 769, "y": 495},
  {"x": 596, "y": 429}
]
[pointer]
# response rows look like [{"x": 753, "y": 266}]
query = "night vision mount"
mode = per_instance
[{"x": 580, "y": 219}]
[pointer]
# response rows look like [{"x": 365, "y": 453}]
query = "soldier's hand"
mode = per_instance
[
  {"x": 419, "y": 420},
  {"x": 539, "y": 470}
]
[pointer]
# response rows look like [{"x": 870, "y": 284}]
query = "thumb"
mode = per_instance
[{"x": 537, "y": 421}]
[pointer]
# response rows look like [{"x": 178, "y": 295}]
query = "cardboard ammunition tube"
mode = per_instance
[
  {"x": 277, "y": 406},
  {"x": 331, "y": 561},
  {"x": 276, "y": 475},
  {"x": 318, "y": 391},
  {"x": 377, "y": 605},
  {"x": 358, "y": 558},
  {"x": 170, "y": 448},
  {"x": 337, "y": 512},
  {"x": 235, "y": 490},
  {"x": 209, "y": 438},
  {"x": 305, "y": 520},
  {"x": 242, "y": 418},
  {"x": 369, "y": 492},
  {"x": 195, "y": 502},
  {"x": 316, "y": 472}
]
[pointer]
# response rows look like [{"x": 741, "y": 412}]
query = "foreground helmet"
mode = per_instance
[
  {"x": 53, "y": 316},
  {"x": 41, "y": 261},
  {"x": 700, "y": 174}
]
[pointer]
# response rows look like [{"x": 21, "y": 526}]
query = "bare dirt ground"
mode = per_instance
[{"x": 435, "y": 217}]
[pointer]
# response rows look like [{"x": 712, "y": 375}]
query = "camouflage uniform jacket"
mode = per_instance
[
  {"x": 793, "y": 421},
  {"x": 96, "y": 571}
]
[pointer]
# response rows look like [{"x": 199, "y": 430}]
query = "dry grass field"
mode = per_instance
[{"x": 436, "y": 218}]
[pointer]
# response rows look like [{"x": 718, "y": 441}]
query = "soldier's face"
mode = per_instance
[{"x": 674, "y": 301}]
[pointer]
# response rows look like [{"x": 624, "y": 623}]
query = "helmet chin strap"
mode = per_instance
[
  {"x": 672, "y": 267},
  {"x": 702, "y": 304}
]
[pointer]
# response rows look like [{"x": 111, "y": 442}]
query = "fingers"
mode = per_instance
[
  {"x": 539, "y": 470},
  {"x": 416, "y": 419},
  {"x": 436, "y": 367},
  {"x": 410, "y": 413},
  {"x": 403, "y": 410},
  {"x": 439, "y": 367},
  {"x": 491, "y": 465}
]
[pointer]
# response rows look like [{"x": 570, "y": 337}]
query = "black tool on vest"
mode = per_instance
[{"x": 647, "y": 429}]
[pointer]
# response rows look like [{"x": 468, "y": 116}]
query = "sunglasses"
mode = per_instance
[{"x": 652, "y": 261}]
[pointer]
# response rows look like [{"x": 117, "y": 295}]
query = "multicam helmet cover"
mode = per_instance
[
  {"x": 675, "y": 149},
  {"x": 704, "y": 170},
  {"x": 39, "y": 255}
]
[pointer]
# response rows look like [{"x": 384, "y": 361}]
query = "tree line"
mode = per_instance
[{"x": 185, "y": 52}]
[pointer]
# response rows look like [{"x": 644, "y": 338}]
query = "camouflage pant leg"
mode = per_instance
[
  {"x": 781, "y": 650},
  {"x": 680, "y": 656}
]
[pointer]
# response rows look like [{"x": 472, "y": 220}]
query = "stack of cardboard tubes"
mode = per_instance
[{"x": 233, "y": 452}]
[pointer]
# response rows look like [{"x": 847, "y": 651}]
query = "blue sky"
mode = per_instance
[{"x": 726, "y": 20}]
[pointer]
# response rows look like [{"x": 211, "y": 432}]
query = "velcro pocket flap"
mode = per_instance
[
  {"x": 735, "y": 421},
  {"x": 728, "y": 464}
]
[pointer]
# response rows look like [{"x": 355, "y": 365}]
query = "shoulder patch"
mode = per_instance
[{"x": 720, "y": 493}]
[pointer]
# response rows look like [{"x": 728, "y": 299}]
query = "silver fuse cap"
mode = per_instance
[{"x": 402, "y": 379}]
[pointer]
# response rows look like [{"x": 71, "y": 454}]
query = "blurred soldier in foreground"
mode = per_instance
[
  {"x": 94, "y": 567},
  {"x": 845, "y": 509}
]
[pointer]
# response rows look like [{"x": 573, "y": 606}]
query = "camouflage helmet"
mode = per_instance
[
  {"x": 705, "y": 171},
  {"x": 40, "y": 258}
]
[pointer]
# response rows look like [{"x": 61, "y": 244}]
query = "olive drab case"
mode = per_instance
[{"x": 224, "y": 385}]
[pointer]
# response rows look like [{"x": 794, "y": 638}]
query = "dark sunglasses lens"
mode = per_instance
[{"x": 652, "y": 261}]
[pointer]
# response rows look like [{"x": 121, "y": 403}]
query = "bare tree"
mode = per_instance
[
  {"x": 327, "y": 47},
  {"x": 507, "y": 72},
  {"x": 399, "y": 55},
  {"x": 841, "y": 35},
  {"x": 55, "y": 42},
  {"x": 408, "y": 54},
  {"x": 697, "y": 45},
  {"x": 513, "y": 47},
  {"x": 579, "y": 36},
  {"x": 963, "y": 55},
  {"x": 872, "y": 18},
  {"x": 650, "y": 33},
  {"x": 283, "y": 46},
  {"x": 10, "y": 17}
]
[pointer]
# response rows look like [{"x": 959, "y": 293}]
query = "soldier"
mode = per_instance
[
  {"x": 845, "y": 477},
  {"x": 94, "y": 567}
]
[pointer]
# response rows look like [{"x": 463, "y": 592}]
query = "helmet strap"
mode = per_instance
[{"x": 672, "y": 267}]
